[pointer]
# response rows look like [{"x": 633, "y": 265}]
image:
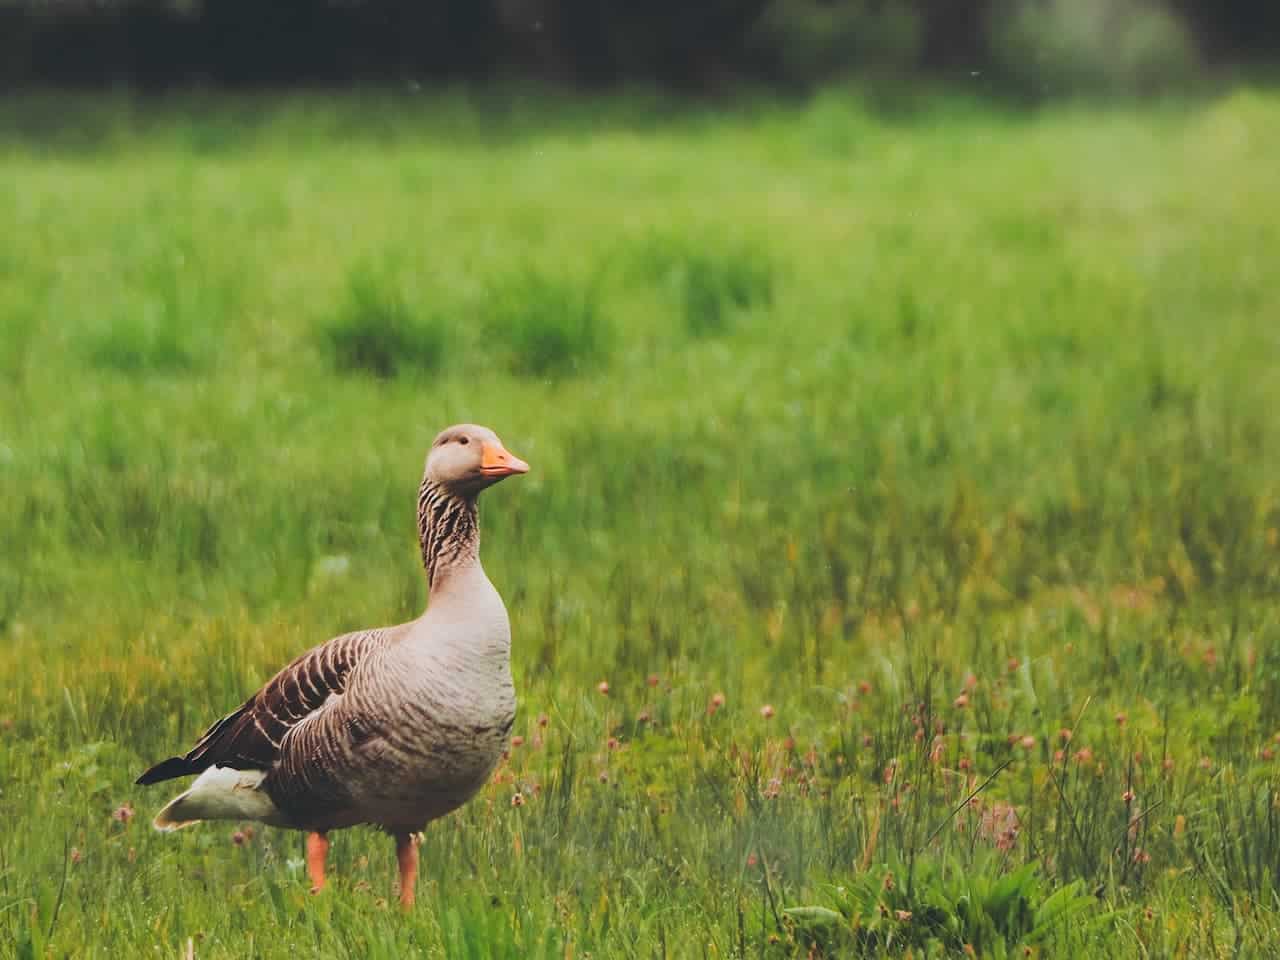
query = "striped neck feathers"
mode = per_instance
[{"x": 448, "y": 530}]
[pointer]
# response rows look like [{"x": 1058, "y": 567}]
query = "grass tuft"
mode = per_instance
[
  {"x": 710, "y": 285},
  {"x": 547, "y": 326},
  {"x": 141, "y": 345},
  {"x": 376, "y": 332},
  {"x": 167, "y": 316}
]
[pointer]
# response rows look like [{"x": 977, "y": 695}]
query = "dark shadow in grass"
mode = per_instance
[
  {"x": 376, "y": 331},
  {"x": 710, "y": 285},
  {"x": 145, "y": 345},
  {"x": 547, "y": 326}
]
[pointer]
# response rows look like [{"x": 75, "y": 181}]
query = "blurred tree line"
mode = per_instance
[{"x": 1037, "y": 46}]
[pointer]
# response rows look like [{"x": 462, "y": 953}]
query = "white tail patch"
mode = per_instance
[{"x": 220, "y": 793}]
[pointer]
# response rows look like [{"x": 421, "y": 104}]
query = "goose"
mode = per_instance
[{"x": 394, "y": 726}]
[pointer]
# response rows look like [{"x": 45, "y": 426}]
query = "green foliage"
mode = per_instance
[
  {"x": 376, "y": 331},
  {"x": 1065, "y": 47},
  {"x": 893, "y": 910},
  {"x": 890, "y": 474},
  {"x": 806, "y": 41}
]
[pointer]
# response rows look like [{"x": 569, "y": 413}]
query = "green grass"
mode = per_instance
[
  {"x": 950, "y": 437},
  {"x": 708, "y": 284},
  {"x": 544, "y": 326},
  {"x": 375, "y": 332}
]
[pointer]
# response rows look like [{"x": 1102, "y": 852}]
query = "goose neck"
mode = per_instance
[{"x": 448, "y": 532}]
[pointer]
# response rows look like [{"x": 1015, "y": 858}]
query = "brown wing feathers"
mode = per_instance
[{"x": 250, "y": 737}]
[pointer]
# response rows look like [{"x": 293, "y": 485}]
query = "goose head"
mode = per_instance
[{"x": 466, "y": 458}]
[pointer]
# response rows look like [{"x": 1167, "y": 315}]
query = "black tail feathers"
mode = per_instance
[{"x": 167, "y": 770}]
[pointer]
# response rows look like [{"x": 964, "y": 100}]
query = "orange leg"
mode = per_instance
[
  {"x": 317, "y": 849},
  {"x": 407, "y": 855}
]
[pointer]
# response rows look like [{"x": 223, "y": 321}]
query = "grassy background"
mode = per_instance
[{"x": 948, "y": 435}]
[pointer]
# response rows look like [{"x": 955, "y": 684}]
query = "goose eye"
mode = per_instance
[{"x": 463, "y": 440}]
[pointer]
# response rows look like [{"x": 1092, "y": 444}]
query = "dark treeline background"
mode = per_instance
[{"x": 707, "y": 45}]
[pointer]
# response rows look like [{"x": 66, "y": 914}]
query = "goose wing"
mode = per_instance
[{"x": 249, "y": 738}]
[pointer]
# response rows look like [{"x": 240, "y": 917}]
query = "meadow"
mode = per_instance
[{"x": 897, "y": 574}]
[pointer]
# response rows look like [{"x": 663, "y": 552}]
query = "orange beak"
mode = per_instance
[{"x": 496, "y": 461}]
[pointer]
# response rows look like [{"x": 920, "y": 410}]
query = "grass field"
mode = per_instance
[{"x": 880, "y": 460}]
